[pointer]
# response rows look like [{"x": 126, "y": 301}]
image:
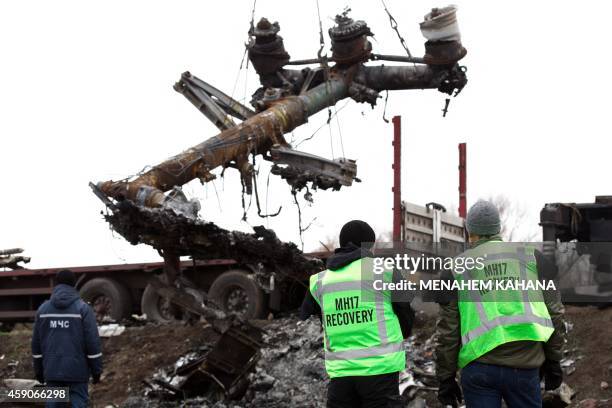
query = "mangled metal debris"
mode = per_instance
[
  {"x": 287, "y": 98},
  {"x": 220, "y": 371},
  {"x": 289, "y": 372},
  {"x": 172, "y": 232},
  {"x": 10, "y": 259},
  {"x": 300, "y": 168}
]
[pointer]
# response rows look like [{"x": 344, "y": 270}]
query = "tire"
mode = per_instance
[
  {"x": 108, "y": 298},
  {"x": 158, "y": 309},
  {"x": 235, "y": 291},
  {"x": 154, "y": 306}
]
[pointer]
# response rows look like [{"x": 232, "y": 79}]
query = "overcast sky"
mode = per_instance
[{"x": 86, "y": 95}]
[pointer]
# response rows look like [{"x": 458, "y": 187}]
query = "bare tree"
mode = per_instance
[
  {"x": 513, "y": 218},
  {"x": 385, "y": 236},
  {"x": 329, "y": 243}
]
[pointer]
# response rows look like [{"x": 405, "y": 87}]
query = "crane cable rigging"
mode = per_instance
[{"x": 395, "y": 28}]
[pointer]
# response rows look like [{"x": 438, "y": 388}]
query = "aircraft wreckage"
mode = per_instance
[
  {"x": 151, "y": 208},
  {"x": 286, "y": 99}
]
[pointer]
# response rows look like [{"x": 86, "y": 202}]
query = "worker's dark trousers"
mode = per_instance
[
  {"x": 484, "y": 386},
  {"x": 375, "y": 391},
  {"x": 79, "y": 396}
]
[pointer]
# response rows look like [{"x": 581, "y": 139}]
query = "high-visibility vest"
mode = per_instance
[
  {"x": 362, "y": 334},
  {"x": 490, "y": 318}
]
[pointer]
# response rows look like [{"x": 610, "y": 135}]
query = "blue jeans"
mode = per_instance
[
  {"x": 484, "y": 386},
  {"x": 79, "y": 396}
]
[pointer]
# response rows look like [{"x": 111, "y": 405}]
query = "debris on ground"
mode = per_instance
[
  {"x": 558, "y": 398},
  {"x": 110, "y": 330},
  {"x": 291, "y": 369},
  {"x": 19, "y": 383},
  {"x": 290, "y": 372}
]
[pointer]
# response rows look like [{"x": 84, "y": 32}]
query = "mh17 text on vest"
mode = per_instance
[{"x": 346, "y": 313}]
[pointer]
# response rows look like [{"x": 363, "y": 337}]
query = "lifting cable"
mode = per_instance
[
  {"x": 320, "y": 127},
  {"x": 339, "y": 130},
  {"x": 255, "y": 173},
  {"x": 246, "y": 71},
  {"x": 394, "y": 26},
  {"x": 300, "y": 228},
  {"x": 385, "y": 108},
  {"x": 244, "y": 54},
  {"x": 323, "y": 59}
]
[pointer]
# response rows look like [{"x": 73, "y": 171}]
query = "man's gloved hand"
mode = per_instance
[
  {"x": 449, "y": 392},
  {"x": 552, "y": 373},
  {"x": 95, "y": 379}
]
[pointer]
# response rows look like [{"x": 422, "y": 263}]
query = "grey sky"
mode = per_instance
[{"x": 86, "y": 95}]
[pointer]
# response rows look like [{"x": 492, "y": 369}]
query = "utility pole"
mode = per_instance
[
  {"x": 397, "y": 178},
  {"x": 462, "y": 180}
]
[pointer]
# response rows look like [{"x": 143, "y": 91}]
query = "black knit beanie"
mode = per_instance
[
  {"x": 66, "y": 277},
  {"x": 358, "y": 232}
]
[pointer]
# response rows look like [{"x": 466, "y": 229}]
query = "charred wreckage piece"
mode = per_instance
[
  {"x": 9, "y": 258},
  {"x": 150, "y": 208},
  {"x": 174, "y": 233}
]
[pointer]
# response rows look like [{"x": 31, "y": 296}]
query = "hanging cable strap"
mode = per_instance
[
  {"x": 324, "y": 63},
  {"x": 321, "y": 38},
  {"x": 252, "y": 26},
  {"x": 395, "y": 28}
]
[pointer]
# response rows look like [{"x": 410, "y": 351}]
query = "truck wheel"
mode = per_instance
[
  {"x": 108, "y": 298},
  {"x": 234, "y": 291},
  {"x": 161, "y": 310},
  {"x": 155, "y": 307}
]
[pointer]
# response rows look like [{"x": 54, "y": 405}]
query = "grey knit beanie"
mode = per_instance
[{"x": 483, "y": 219}]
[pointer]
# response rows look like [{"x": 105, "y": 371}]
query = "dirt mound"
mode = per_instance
[
  {"x": 128, "y": 359},
  {"x": 589, "y": 345}
]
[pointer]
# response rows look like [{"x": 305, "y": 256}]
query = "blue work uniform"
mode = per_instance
[{"x": 66, "y": 346}]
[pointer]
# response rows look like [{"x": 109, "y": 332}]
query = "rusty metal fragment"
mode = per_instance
[
  {"x": 266, "y": 49},
  {"x": 213, "y": 103},
  {"x": 300, "y": 168},
  {"x": 349, "y": 39},
  {"x": 227, "y": 364},
  {"x": 231, "y": 148}
]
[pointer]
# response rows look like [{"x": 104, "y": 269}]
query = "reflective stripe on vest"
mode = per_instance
[
  {"x": 386, "y": 342},
  {"x": 528, "y": 317},
  {"x": 384, "y": 348}
]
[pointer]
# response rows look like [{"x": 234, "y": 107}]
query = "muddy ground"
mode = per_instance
[{"x": 136, "y": 354}]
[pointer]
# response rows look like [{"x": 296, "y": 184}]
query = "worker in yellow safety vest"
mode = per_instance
[
  {"x": 363, "y": 328},
  {"x": 504, "y": 336}
]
